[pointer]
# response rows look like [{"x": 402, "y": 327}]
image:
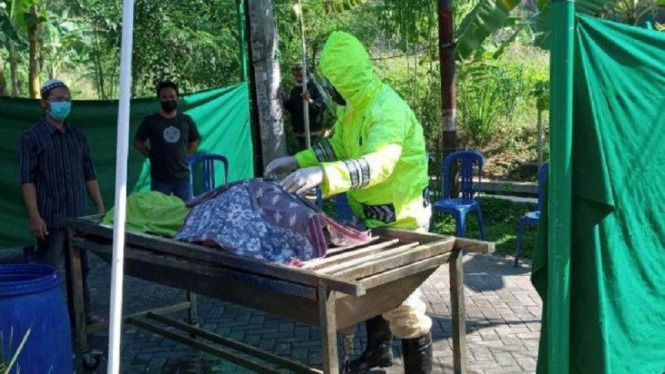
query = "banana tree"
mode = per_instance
[
  {"x": 63, "y": 38},
  {"x": 27, "y": 17},
  {"x": 337, "y": 6},
  {"x": 4, "y": 18},
  {"x": 11, "y": 40},
  {"x": 632, "y": 11}
]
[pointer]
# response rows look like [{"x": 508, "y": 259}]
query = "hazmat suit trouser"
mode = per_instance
[{"x": 407, "y": 322}]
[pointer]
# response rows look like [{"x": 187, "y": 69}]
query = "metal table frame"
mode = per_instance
[{"x": 334, "y": 293}]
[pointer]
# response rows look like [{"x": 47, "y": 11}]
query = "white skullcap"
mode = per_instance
[{"x": 51, "y": 84}]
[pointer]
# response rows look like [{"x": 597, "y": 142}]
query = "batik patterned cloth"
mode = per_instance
[{"x": 257, "y": 218}]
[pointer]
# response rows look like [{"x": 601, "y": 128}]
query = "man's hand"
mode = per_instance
[
  {"x": 142, "y": 148},
  {"x": 101, "y": 210},
  {"x": 303, "y": 180},
  {"x": 306, "y": 97},
  {"x": 281, "y": 165},
  {"x": 38, "y": 228}
]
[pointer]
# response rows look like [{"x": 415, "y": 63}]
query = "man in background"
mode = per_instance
[
  {"x": 57, "y": 176},
  {"x": 295, "y": 106},
  {"x": 172, "y": 137}
]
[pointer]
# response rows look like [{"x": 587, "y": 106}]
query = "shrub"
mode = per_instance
[{"x": 487, "y": 95}]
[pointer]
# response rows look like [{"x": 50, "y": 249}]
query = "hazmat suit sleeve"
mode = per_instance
[{"x": 379, "y": 149}]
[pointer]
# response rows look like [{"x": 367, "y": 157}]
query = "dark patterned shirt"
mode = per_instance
[{"x": 59, "y": 164}]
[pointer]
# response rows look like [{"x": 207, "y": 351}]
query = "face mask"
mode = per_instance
[
  {"x": 60, "y": 110},
  {"x": 169, "y": 106}
]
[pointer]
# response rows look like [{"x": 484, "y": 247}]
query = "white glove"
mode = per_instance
[
  {"x": 281, "y": 165},
  {"x": 303, "y": 180}
]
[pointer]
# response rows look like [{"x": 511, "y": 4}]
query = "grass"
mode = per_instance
[
  {"x": 501, "y": 218},
  {"x": 5, "y": 367}
]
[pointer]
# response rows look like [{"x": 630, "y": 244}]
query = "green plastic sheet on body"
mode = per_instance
[
  {"x": 617, "y": 290},
  {"x": 222, "y": 116},
  {"x": 152, "y": 213}
]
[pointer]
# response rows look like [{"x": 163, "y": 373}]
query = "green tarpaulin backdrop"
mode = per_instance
[
  {"x": 617, "y": 313},
  {"x": 222, "y": 116}
]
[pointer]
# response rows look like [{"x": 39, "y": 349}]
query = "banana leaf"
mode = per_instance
[
  {"x": 338, "y": 6},
  {"x": 484, "y": 19},
  {"x": 8, "y": 31},
  {"x": 21, "y": 16}
]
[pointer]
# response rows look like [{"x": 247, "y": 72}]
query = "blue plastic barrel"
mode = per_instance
[{"x": 31, "y": 300}]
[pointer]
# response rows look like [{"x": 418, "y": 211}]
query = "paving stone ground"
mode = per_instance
[{"x": 503, "y": 324}]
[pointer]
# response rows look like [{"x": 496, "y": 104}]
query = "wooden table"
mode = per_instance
[{"x": 348, "y": 286}]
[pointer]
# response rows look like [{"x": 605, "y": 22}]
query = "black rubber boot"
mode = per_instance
[
  {"x": 417, "y": 355},
  {"x": 378, "y": 352}
]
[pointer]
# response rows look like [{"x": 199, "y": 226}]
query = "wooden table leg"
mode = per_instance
[
  {"x": 328, "y": 329},
  {"x": 75, "y": 299},
  {"x": 456, "y": 265},
  {"x": 192, "y": 312}
]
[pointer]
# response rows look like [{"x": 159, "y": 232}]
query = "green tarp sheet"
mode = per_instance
[
  {"x": 221, "y": 114},
  {"x": 617, "y": 265}
]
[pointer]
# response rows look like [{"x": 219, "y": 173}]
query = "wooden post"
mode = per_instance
[
  {"x": 448, "y": 104},
  {"x": 75, "y": 299},
  {"x": 456, "y": 267},
  {"x": 328, "y": 329},
  {"x": 266, "y": 79}
]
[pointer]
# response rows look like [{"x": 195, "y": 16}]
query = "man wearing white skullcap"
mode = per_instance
[{"x": 57, "y": 176}]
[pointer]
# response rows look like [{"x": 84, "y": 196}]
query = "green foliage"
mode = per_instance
[
  {"x": 337, "y": 6},
  {"x": 483, "y": 20},
  {"x": 487, "y": 94},
  {"x": 22, "y": 14},
  {"x": 8, "y": 28},
  {"x": 194, "y": 42},
  {"x": 631, "y": 11},
  {"x": 501, "y": 220}
]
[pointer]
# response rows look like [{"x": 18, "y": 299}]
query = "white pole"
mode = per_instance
[{"x": 120, "y": 207}]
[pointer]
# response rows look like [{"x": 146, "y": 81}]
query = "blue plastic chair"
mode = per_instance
[
  {"x": 208, "y": 161},
  {"x": 532, "y": 218},
  {"x": 343, "y": 209},
  {"x": 319, "y": 198},
  {"x": 465, "y": 203}
]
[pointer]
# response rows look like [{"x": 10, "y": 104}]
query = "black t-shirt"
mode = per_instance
[{"x": 169, "y": 139}]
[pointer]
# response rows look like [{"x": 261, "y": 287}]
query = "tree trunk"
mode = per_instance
[
  {"x": 3, "y": 79},
  {"x": 13, "y": 69},
  {"x": 266, "y": 79},
  {"x": 448, "y": 103},
  {"x": 99, "y": 70},
  {"x": 34, "y": 39}
]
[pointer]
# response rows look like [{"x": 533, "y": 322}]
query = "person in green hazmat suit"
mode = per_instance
[{"x": 377, "y": 157}]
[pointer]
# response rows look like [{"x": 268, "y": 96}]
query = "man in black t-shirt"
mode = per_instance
[
  {"x": 295, "y": 103},
  {"x": 172, "y": 136}
]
